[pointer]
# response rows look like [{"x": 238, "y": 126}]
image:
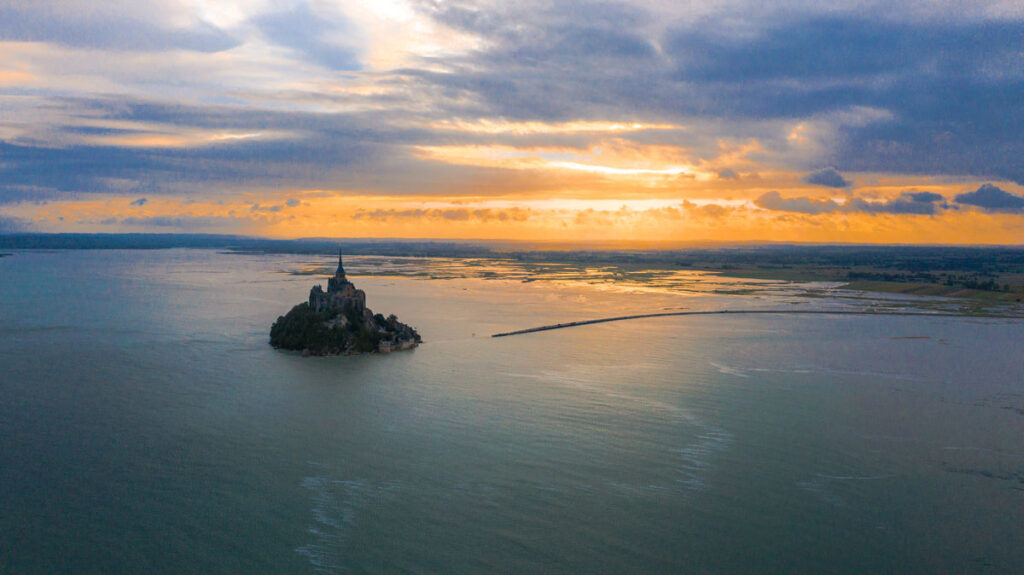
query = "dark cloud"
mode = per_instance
[
  {"x": 953, "y": 87},
  {"x": 828, "y": 177},
  {"x": 259, "y": 208},
  {"x": 839, "y": 47},
  {"x": 948, "y": 92},
  {"x": 918, "y": 203},
  {"x": 140, "y": 202},
  {"x": 922, "y": 196},
  {"x": 310, "y": 34},
  {"x": 369, "y": 152},
  {"x": 320, "y": 154},
  {"x": 10, "y": 225},
  {"x": 14, "y": 193},
  {"x": 57, "y": 171},
  {"x": 289, "y": 203},
  {"x": 575, "y": 41},
  {"x": 728, "y": 174},
  {"x": 37, "y": 22},
  {"x": 975, "y": 131},
  {"x": 555, "y": 61},
  {"x": 774, "y": 201},
  {"x": 991, "y": 198}
]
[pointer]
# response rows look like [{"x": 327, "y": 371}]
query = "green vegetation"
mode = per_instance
[
  {"x": 983, "y": 273},
  {"x": 302, "y": 328}
]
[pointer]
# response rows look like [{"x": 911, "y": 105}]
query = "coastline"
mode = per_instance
[{"x": 914, "y": 288}]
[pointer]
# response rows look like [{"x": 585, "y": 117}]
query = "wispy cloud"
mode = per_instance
[
  {"x": 110, "y": 26},
  {"x": 450, "y": 214},
  {"x": 917, "y": 203}
]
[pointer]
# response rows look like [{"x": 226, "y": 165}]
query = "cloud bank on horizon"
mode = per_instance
[{"x": 851, "y": 121}]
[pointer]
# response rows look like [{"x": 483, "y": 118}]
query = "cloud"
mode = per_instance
[
  {"x": 924, "y": 76},
  {"x": 450, "y": 214},
  {"x": 289, "y": 203},
  {"x": 991, "y": 198},
  {"x": 774, "y": 201},
  {"x": 313, "y": 35},
  {"x": 952, "y": 87},
  {"x": 259, "y": 208},
  {"x": 321, "y": 157},
  {"x": 811, "y": 86},
  {"x": 917, "y": 203},
  {"x": 10, "y": 225},
  {"x": 15, "y": 193},
  {"x": 139, "y": 202},
  {"x": 106, "y": 28},
  {"x": 922, "y": 196},
  {"x": 180, "y": 222},
  {"x": 827, "y": 177},
  {"x": 804, "y": 47},
  {"x": 713, "y": 210}
]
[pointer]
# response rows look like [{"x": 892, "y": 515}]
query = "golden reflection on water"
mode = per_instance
[
  {"x": 618, "y": 279},
  {"x": 636, "y": 279}
]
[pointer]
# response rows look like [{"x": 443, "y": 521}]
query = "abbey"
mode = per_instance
[
  {"x": 338, "y": 321},
  {"x": 341, "y": 294}
]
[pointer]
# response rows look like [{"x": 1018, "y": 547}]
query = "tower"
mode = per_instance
[
  {"x": 340, "y": 272},
  {"x": 341, "y": 294},
  {"x": 339, "y": 281}
]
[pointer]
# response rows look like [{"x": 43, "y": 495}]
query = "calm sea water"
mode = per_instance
[{"x": 146, "y": 426}]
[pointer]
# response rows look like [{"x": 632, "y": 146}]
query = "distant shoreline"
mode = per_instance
[{"x": 983, "y": 274}]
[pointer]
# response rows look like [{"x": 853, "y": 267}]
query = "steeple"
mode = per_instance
[
  {"x": 339, "y": 282},
  {"x": 340, "y": 272}
]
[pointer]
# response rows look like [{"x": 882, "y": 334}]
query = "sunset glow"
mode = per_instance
[{"x": 405, "y": 119}]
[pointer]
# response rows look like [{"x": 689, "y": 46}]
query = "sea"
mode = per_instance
[{"x": 146, "y": 426}]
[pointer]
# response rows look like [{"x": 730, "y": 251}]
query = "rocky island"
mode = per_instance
[{"x": 337, "y": 321}]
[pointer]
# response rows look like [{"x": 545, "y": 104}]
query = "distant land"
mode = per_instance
[{"x": 991, "y": 273}]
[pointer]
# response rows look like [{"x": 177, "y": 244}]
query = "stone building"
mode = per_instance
[{"x": 341, "y": 294}]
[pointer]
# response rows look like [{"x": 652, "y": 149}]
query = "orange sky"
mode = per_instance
[
  {"x": 648, "y": 208},
  {"x": 633, "y": 121},
  {"x": 612, "y": 189}
]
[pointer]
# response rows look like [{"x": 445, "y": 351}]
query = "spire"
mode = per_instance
[{"x": 341, "y": 267}]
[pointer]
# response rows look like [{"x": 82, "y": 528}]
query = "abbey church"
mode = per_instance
[
  {"x": 341, "y": 294},
  {"x": 338, "y": 321}
]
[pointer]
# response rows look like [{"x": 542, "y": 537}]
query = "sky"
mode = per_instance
[{"x": 656, "y": 120}]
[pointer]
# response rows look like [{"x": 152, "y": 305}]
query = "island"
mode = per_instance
[{"x": 337, "y": 321}]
